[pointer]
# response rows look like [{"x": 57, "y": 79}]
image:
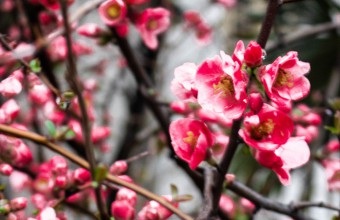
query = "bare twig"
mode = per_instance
[
  {"x": 308, "y": 204},
  {"x": 263, "y": 202},
  {"x": 5, "y": 129}
]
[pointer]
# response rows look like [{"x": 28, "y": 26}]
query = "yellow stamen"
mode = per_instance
[
  {"x": 225, "y": 85},
  {"x": 113, "y": 11},
  {"x": 191, "y": 139},
  {"x": 263, "y": 130},
  {"x": 284, "y": 78},
  {"x": 152, "y": 24}
]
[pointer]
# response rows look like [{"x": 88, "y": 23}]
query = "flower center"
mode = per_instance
[
  {"x": 191, "y": 139},
  {"x": 225, "y": 85},
  {"x": 113, "y": 11},
  {"x": 284, "y": 78},
  {"x": 263, "y": 130},
  {"x": 152, "y": 24}
]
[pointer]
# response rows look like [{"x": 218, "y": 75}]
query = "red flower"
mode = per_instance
[
  {"x": 284, "y": 79},
  {"x": 221, "y": 86},
  {"x": 190, "y": 140},
  {"x": 267, "y": 130},
  {"x": 122, "y": 210},
  {"x": 112, "y": 12},
  {"x": 293, "y": 154},
  {"x": 183, "y": 85},
  {"x": 152, "y": 22}
]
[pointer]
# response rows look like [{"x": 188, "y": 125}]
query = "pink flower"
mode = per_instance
[
  {"x": 91, "y": 30},
  {"x": 136, "y": 2},
  {"x": 333, "y": 146},
  {"x": 127, "y": 195},
  {"x": 9, "y": 111},
  {"x": 80, "y": 176},
  {"x": 19, "y": 181},
  {"x": 40, "y": 94},
  {"x": 247, "y": 206},
  {"x": 228, "y": 3},
  {"x": 12, "y": 85},
  {"x": 309, "y": 132},
  {"x": 190, "y": 140},
  {"x": 194, "y": 21},
  {"x": 180, "y": 107},
  {"x": 183, "y": 85},
  {"x": 154, "y": 211},
  {"x": 220, "y": 146},
  {"x": 100, "y": 133},
  {"x": 118, "y": 167},
  {"x": 47, "y": 213},
  {"x": 112, "y": 12},
  {"x": 253, "y": 55},
  {"x": 284, "y": 79},
  {"x": 152, "y": 22},
  {"x": 58, "y": 165},
  {"x": 332, "y": 167},
  {"x": 18, "y": 203},
  {"x": 221, "y": 86},
  {"x": 227, "y": 206},
  {"x": 290, "y": 155},
  {"x": 53, "y": 4},
  {"x": 122, "y": 210},
  {"x": 6, "y": 169},
  {"x": 267, "y": 130}
]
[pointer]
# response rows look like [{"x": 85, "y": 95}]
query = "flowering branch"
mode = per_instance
[
  {"x": 307, "y": 204},
  {"x": 85, "y": 123},
  {"x": 5, "y": 129}
]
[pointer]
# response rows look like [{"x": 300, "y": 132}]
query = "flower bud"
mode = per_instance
[
  {"x": 180, "y": 107},
  {"x": 91, "y": 30},
  {"x": 81, "y": 176},
  {"x": 58, "y": 165},
  {"x": 118, "y": 167},
  {"x": 247, "y": 206},
  {"x": 333, "y": 146},
  {"x": 6, "y": 169},
  {"x": 253, "y": 55},
  {"x": 255, "y": 102},
  {"x": 227, "y": 206},
  {"x": 127, "y": 195},
  {"x": 60, "y": 182},
  {"x": 122, "y": 210},
  {"x": 18, "y": 203}
]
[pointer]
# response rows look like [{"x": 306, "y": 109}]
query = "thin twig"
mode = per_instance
[
  {"x": 72, "y": 79},
  {"x": 308, "y": 204},
  {"x": 264, "y": 202},
  {"x": 5, "y": 129}
]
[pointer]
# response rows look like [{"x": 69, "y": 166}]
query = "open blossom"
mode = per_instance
[
  {"x": 47, "y": 213},
  {"x": 12, "y": 85},
  {"x": 221, "y": 86},
  {"x": 152, "y": 22},
  {"x": 190, "y": 139},
  {"x": 183, "y": 85},
  {"x": 284, "y": 79},
  {"x": 154, "y": 211},
  {"x": 112, "y": 12},
  {"x": 267, "y": 130},
  {"x": 290, "y": 155}
]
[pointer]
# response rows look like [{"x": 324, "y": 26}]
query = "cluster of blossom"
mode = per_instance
[
  {"x": 217, "y": 92},
  {"x": 54, "y": 179}
]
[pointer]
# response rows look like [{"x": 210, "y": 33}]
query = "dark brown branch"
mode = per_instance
[
  {"x": 302, "y": 34},
  {"x": 72, "y": 79},
  {"x": 263, "y": 202},
  {"x": 308, "y": 204},
  {"x": 268, "y": 22}
]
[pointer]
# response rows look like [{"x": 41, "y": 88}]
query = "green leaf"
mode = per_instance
[
  {"x": 174, "y": 190},
  {"x": 95, "y": 184},
  {"x": 68, "y": 95},
  {"x": 112, "y": 218},
  {"x": 2, "y": 187},
  {"x": 100, "y": 173},
  {"x": 35, "y": 66},
  {"x": 183, "y": 198},
  {"x": 70, "y": 134},
  {"x": 333, "y": 130},
  {"x": 51, "y": 128}
]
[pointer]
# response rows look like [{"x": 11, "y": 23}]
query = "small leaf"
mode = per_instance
[
  {"x": 70, "y": 134},
  {"x": 183, "y": 198},
  {"x": 50, "y": 128},
  {"x": 95, "y": 184},
  {"x": 35, "y": 66},
  {"x": 68, "y": 94},
  {"x": 2, "y": 187},
  {"x": 112, "y": 218},
  {"x": 100, "y": 173},
  {"x": 174, "y": 190},
  {"x": 333, "y": 130}
]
